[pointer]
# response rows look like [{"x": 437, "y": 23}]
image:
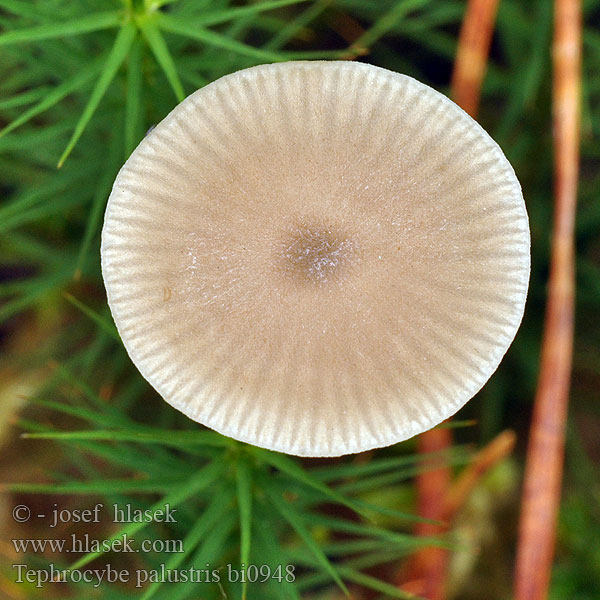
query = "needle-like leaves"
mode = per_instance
[
  {"x": 355, "y": 575},
  {"x": 102, "y": 486},
  {"x": 116, "y": 57},
  {"x": 33, "y": 294},
  {"x": 134, "y": 99},
  {"x": 52, "y": 188},
  {"x": 168, "y": 438},
  {"x": 180, "y": 494},
  {"x": 104, "y": 419},
  {"x": 23, "y": 8},
  {"x": 94, "y": 22},
  {"x": 291, "y": 29},
  {"x": 94, "y": 316},
  {"x": 56, "y": 95},
  {"x": 236, "y": 12},
  {"x": 98, "y": 205},
  {"x": 161, "y": 52},
  {"x": 212, "y": 547},
  {"x": 269, "y": 549},
  {"x": 387, "y": 22},
  {"x": 211, "y": 38},
  {"x": 295, "y": 520},
  {"x": 217, "y": 507},
  {"x": 291, "y": 468},
  {"x": 244, "y": 496},
  {"x": 23, "y": 98}
]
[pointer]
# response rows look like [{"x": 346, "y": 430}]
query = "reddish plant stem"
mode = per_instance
[
  {"x": 415, "y": 578},
  {"x": 489, "y": 456},
  {"x": 429, "y": 566},
  {"x": 543, "y": 472},
  {"x": 472, "y": 53}
]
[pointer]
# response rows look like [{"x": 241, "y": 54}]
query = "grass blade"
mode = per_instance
[
  {"x": 213, "y": 514},
  {"x": 211, "y": 38},
  {"x": 102, "y": 486},
  {"x": 116, "y": 57},
  {"x": 43, "y": 192},
  {"x": 34, "y": 293},
  {"x": 183, "y": 492},
  {"x": 168, "y": 438},
  {"x": 385, "y": 24},
  {"x": 133, "y": 100},
  {"x": 269, "y": 549},
  {"x": 222, "y": 16},
  {"x": 294, "y": 519},
  {"x": 244, "y": 496},
  {"x": 163, "y": 56},
  {"x": 95, "y": 22},
  {"x": 55, "y": 96},
  {"x": 210, "y": 551},
  {"x": 91, "y": 225},
  {"x": 285, "y": 34},
  {"x": 22, "y": 8},
  {"x": 24, "y": 98},
  {"x": 368, "y": 581},
  {"x": 402, "y": 540},
  {"x": 105, "y": 325},
  {"x": 289, "y": 467},
  {"x": 95, "y": 418}
]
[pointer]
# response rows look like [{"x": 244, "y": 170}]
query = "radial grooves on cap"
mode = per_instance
[{"x": 367, "y": 356}]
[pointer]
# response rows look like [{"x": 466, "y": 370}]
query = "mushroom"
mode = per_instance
[{"x": 318, "y": 258}]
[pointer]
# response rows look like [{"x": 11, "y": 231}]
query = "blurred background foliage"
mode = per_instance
[{"x": 80, "y": 83}]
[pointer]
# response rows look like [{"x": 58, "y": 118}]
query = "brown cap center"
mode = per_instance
[{"x": 316, "y": 254}]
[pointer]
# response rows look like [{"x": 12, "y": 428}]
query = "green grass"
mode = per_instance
[
  {"x": 214, "y": 477},
  {"x": 82, "y": 81}
]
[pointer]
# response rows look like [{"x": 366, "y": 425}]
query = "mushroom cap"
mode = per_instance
[{"x": 318, "y": 258}]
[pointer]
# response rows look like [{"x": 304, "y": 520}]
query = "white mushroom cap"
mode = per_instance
[{"x": 317, "y": 257}]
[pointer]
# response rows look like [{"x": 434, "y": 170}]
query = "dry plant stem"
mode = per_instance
[
  {"x": 543, "y": 473},
  {"x": 471, "y": 56},
  {"x": 429, "y": 565},
  {"x": 496, "y": 451}
]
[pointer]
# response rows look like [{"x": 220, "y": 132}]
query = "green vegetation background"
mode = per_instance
[{"x": 80, "y": 83}]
